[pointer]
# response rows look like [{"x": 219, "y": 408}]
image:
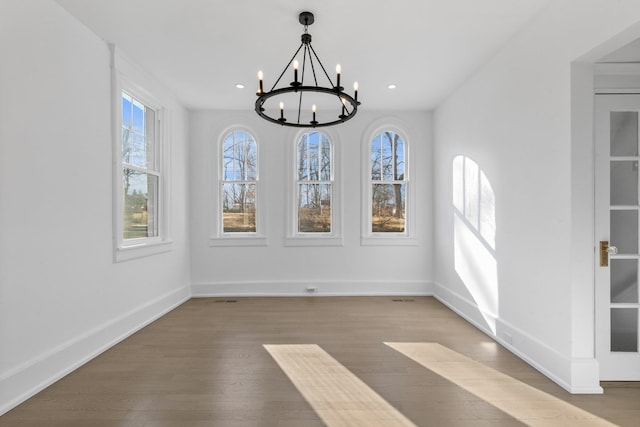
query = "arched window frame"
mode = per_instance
[
  {"x": 294, "y": 236},
  {"x": 368, "y": 236},
  {"x": 219, "y": 236}
]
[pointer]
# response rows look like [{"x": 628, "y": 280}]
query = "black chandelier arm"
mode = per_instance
[
  {"x": 343, "y": 104},
  {"x": 300, "y": 104},
  {"x": 305, "y": 52},
  {"x": 287, "y": 67},
  {"x": 304, "y": 60},
  {"x": 322, "y": 66}
]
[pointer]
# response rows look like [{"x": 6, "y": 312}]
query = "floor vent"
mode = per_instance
[
  {"x": 225, "y": 300},
  {"x": 403, "y": 300}
]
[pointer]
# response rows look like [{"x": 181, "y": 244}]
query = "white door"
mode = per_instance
[{"x": 617, "y": 212}]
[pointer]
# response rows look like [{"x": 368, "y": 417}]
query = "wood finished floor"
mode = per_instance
[{"x": 205, "y": 364}]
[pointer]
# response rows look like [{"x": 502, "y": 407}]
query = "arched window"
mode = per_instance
[
  {"x": 388, "y": 184},
  {"x": 314, "y": 184},
  {"x": 238, "y": 183}
]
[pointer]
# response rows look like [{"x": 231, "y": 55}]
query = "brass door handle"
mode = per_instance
[{"x": 605, "y": 251}]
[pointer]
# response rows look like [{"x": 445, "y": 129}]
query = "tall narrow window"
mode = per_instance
[
  {"x": 141, "y": 164},
  {"x": 141, "y": 176},
  {"x": 314, "y": 183},
  {"x": 388, "y": 183},
  {"x": 239, "y": 183}
]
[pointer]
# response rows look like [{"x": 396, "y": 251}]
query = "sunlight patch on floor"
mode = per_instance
[
  {"x": 338, "y": 396},
  {"x": 521, "y": 401}
]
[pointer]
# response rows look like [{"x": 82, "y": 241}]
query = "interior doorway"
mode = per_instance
[{"x": 617, "y": 214}]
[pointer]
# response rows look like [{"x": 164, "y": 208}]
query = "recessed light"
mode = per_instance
[
  {"x": 392, "y": 86},
  {"x": 239, "y": 86}
]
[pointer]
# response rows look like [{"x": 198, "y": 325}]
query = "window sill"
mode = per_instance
[
  {"x": 393, "y": 240},
  {"x": 314, "y": 241},
  {"x": 127, "y": 253},
  {"x": 238, "y": 241}
]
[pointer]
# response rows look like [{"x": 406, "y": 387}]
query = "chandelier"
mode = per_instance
[{"x": 302, "y": 96}]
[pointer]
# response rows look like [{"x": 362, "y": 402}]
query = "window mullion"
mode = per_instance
[
  {"x": 381, "y": 158},
  {"x": 307, "y": 157},
  {"x": 135, "y": 168},
  {"x": 245, "y": 154},
  {"x": 141, "y": 169},
  {"x": 319, "y": 160},
  {"x": 394, "y": 172}
]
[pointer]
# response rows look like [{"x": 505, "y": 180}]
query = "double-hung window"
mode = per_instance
[
  {"x": 141, "y": 175},
  {"x": 387, "y": 200},
  {"x": 239, "y": 183},
  {"x": 239, "y": 214},
  {"x": 314, "y": 184},
  {"x": 388, "y": 184},
  {"x": 315, "y": 201}
]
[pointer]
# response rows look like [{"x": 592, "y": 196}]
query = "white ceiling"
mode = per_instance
[{"x": 201, "y": 48}]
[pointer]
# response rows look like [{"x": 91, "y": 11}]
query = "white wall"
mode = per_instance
[
  {"x": 277, "y": 269},
  {"x": 514, "y": 118},
  {"x": 62, "y": 298}
]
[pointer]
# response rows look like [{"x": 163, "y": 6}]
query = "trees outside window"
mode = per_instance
[
  {"x": 388, "y": 183},
  {"x": 314, "y": 183},
  {"x": 238, "y": 186},
  {"x": 141, "y": 174}
]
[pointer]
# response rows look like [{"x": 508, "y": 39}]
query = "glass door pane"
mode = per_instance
[
  {"x": 624, "y": 229},
  {"x": 624, "y": 280},
  {"x": 624, "y": 182},
  {"x": 624, "y": 329},
  {"x": 624, "y": 133}
]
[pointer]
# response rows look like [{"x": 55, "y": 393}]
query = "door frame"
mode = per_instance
[
  {"x": 620, "y": 366},
  {"x": 586, "y": 81}
]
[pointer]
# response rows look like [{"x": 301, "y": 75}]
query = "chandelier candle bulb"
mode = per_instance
[
  {"x": 295, "y": 71},
  {"x": 338, "y": 71},
  {"x": 260, "y": 78},
  {"x": 282, "y": 110},
  {"x": 355, "y": 90},
  {"x": 313, "y": 110}
]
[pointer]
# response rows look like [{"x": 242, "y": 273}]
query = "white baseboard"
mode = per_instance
[
  {"x": 36, "y": 374},
  {"x": 322, "y": 288},
  {"x": 578, "y": 376}
]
